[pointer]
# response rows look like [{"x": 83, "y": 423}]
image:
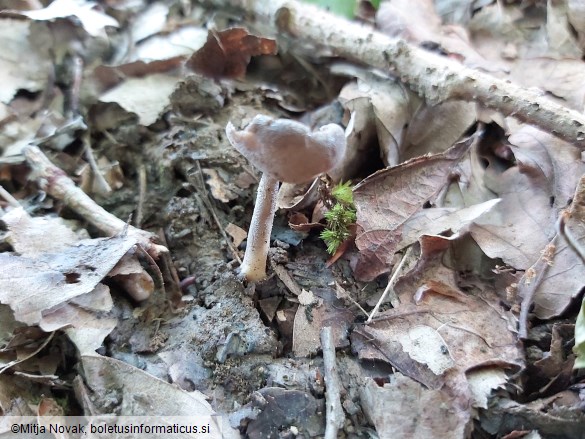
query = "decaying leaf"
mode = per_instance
[
  {"x": 388, "y": 199},
  {"x": 54, "y": 278},
  {"x": 310, "y": 318},
  {"x": 439, "y": 334},
  {"x": 147, "y": 97},
  {"x": 17, "y": 72},
  {"x": 395, "y": 410},
  {"x": 523, "y": 223},
  {"x": 138, "y": 393},
  {"x": 34, "y": 236},
  {"x": 226, "y": 53}
]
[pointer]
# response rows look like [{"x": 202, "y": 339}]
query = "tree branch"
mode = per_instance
[{"x": 433, "y": 77}]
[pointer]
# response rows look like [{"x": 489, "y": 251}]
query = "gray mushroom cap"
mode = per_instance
[{"x": 288, "y": 150}]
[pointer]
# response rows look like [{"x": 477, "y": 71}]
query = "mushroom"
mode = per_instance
[{"x": 284, "y": 151}]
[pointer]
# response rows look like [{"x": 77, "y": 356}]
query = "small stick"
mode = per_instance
[
  {"x": 568, "y": 235},
  {"x": 335, "y": 414},
  {"x": 435, "y": 78},
  {"x": 531, "y": 280},
  {"x": 8, "y": 197},
  {"x": 390, "y": 285},
  {"x": 209, "y": 206},
  {"x": 77, "y": 77},
  {"x": 102, "y": 185},
  {"x": 141, "y": 195},
  {"x": 285, "y": 277},
  {"x": 57, "y": 184}
]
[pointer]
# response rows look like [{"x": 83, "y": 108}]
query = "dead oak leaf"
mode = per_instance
[{"x": 226, "y": 53}]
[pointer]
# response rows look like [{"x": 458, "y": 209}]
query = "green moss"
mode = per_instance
[{"x": 340, "y": 217}]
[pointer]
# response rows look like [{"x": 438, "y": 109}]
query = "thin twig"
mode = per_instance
[
  {"x": 57, "y": 184},
  {"x": 102, "y": 185},
  {"x": 142, "y": 182},
  {"x": 342, "y": 293},
  {"x": 434, "y": 77},
  {"x": 283, "y": 274},
  {"x": 211, "y": 209},
  {"x": 8, "y": 197},
  {"x": 569, "y": 238},
  {"x": 335, "y": 415},
  {"x": 530, "y": 282},
  {"x": 77, "y": 65},
  {"x": 390, "y": 286}
]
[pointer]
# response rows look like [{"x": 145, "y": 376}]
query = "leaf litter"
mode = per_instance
[{"x": 457, "y": 206}]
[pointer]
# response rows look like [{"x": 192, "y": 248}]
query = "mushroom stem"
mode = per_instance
[{"x": 253, "y": 268}]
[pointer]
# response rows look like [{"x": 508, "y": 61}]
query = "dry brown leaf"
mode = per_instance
[
  {"x": 138, "y": 393},
  {"x": 178, "y": 44},
  {"x": 469, "y": 330},
  {"x": 435, "y": 129},
  {"x": 361, "y": 131},
  {"x": 381, "y": 108},
  {"x": 544, "y": 180},
  {"x": 437, "y": 338},
  {"x": 562, "y": 78},
  {"x": 84, "y": 329},
  {"x": 403, "y": 408},
  {"x": 226, "y": 53},
  {"x": 310, "y": 319},
  {"x": 33, "y": 285},
  {"x": 417, "y": 22},
  {"x": 577, "y": 19},
  {"x": 557, "y": 277},
  {"x": 237, "y": 233},
  {"x": 388, "y": 199},
  {"x": 561, "y": 38},
  {"x": 146, "y": 97},
  {"x": 220, "y": 189}
]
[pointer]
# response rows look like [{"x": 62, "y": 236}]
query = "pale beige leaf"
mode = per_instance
[
  {"x": 406, "y": 409},
  {"x": 147, "y": 97},
  {"x": 32, "y": 285}
]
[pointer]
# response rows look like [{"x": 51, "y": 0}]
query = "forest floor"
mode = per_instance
[{"x": 446, "y": 308}]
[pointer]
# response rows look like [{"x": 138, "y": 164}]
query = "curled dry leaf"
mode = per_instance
[
  {"x": 226, "y": 53},
  {"x": 34, "y": 236},
  {"x": 137, "y": 392},
  {"x": 310, "y": 318},
  {"x": 557, "y": 276},
  {"x": 134, "y": 279}
]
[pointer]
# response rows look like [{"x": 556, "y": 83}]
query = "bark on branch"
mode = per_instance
[{"x": 433, "y": 77}]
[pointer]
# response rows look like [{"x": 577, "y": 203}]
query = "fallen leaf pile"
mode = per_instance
[{"x": 455, "y": 305}]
